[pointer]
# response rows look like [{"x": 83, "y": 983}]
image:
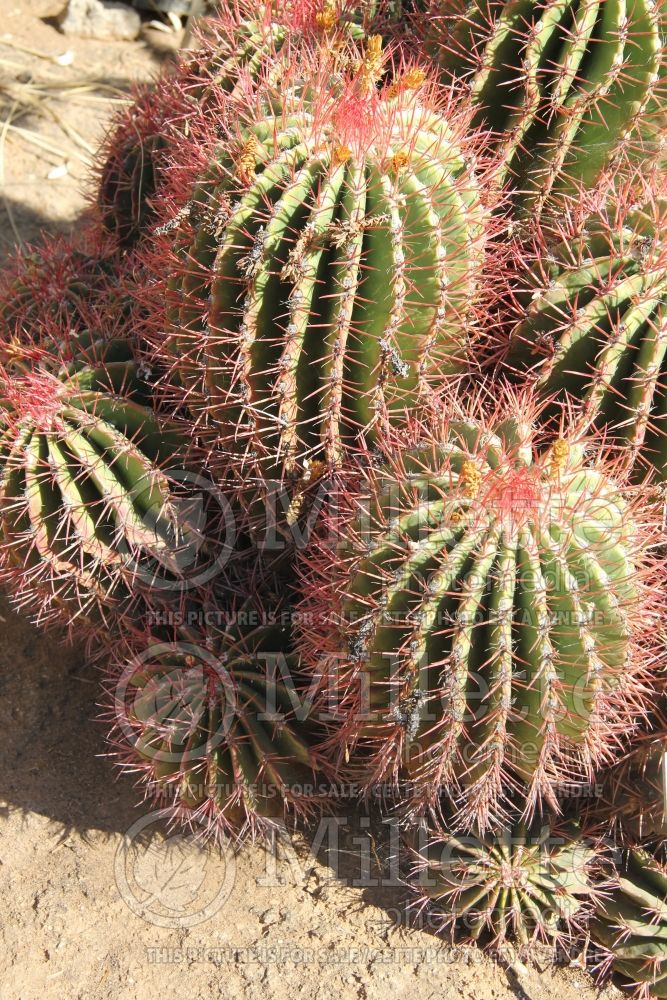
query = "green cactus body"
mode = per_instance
[
  {"x": 213, "y": 725},
  {"x": 631, "y": 923},
  {"x": 335, "y": 281},
  {"x": 597, "y": 315},
  {"x": 516, "y": 884},
  {"x": 86, "y": 507},
  {"x": 488, "y": 612},
  {"x": 563, "y": 83}
]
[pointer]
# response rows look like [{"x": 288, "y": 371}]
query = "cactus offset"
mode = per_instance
[
  {"x": 514, "y": 884},
  {"x": 565, "y": 84},
  {"x": 484, "y": 622},
  {"x": 89, "y": 516},
  {"x": 631, "y": 924},
  {"x": 213, "y": 721},
  {"x": 594, "y": 320},
  {"x": 329, "y": 269}
]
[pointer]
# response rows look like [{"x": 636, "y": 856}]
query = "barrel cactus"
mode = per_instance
[
  {"x": 89, "y": 487},
  {"x": 63, "y": 283},
  {"x": 326, "y": 268},
  {"x": 630, "y": 924},
  {"x": 218, "y": 726},
  {"x": 481, "y": 624},
  {"x": 593, "y": 317},
  {"x": 241, "y": 44},
  {"x": 564, "y": 84},
  {"x": 516, "y": 884}
]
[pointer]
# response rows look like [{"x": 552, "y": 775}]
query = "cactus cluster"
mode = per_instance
[{"x": 338, "y": 428}]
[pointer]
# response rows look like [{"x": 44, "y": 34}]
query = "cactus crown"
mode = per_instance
[
  {"x": 329, "y": 267},
  {"x": 244, "y": 43},
  {"x": 488, "y": 593},
  {"x": 517, "y": 884}
]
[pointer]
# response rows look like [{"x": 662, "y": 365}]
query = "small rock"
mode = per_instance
[
  {"x": 100, "y": 19},
  {"x": 269, "y": 917}
]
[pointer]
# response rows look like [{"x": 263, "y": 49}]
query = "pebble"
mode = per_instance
[{"x": 100, "y": 19}]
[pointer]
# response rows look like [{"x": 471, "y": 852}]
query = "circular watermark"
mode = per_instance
[
  {"x": 171, "y": 688},
  {"x": 173, "y": 880},
  {"x": 186, "y": 540}
]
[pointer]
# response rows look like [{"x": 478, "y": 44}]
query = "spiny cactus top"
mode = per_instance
[
  {"x": 516, "y": 884},
  {"x": 482, "y": 622},
  {"x": 565, "y": 83},
  {"x": 243, "y": 43},
  {"x": 594, "y": 315},
  {"x": 631, "y": 924},
  {"x": 87, "y": 512},
  {"x": 245, "y": 40},
  {"x": 327, "y": 265},
  {"x": 66, "y": 283},
  {"x": 218, "y": 725}
]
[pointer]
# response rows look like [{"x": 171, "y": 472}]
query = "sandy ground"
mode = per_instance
[{"x": 99, "y": 901}]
